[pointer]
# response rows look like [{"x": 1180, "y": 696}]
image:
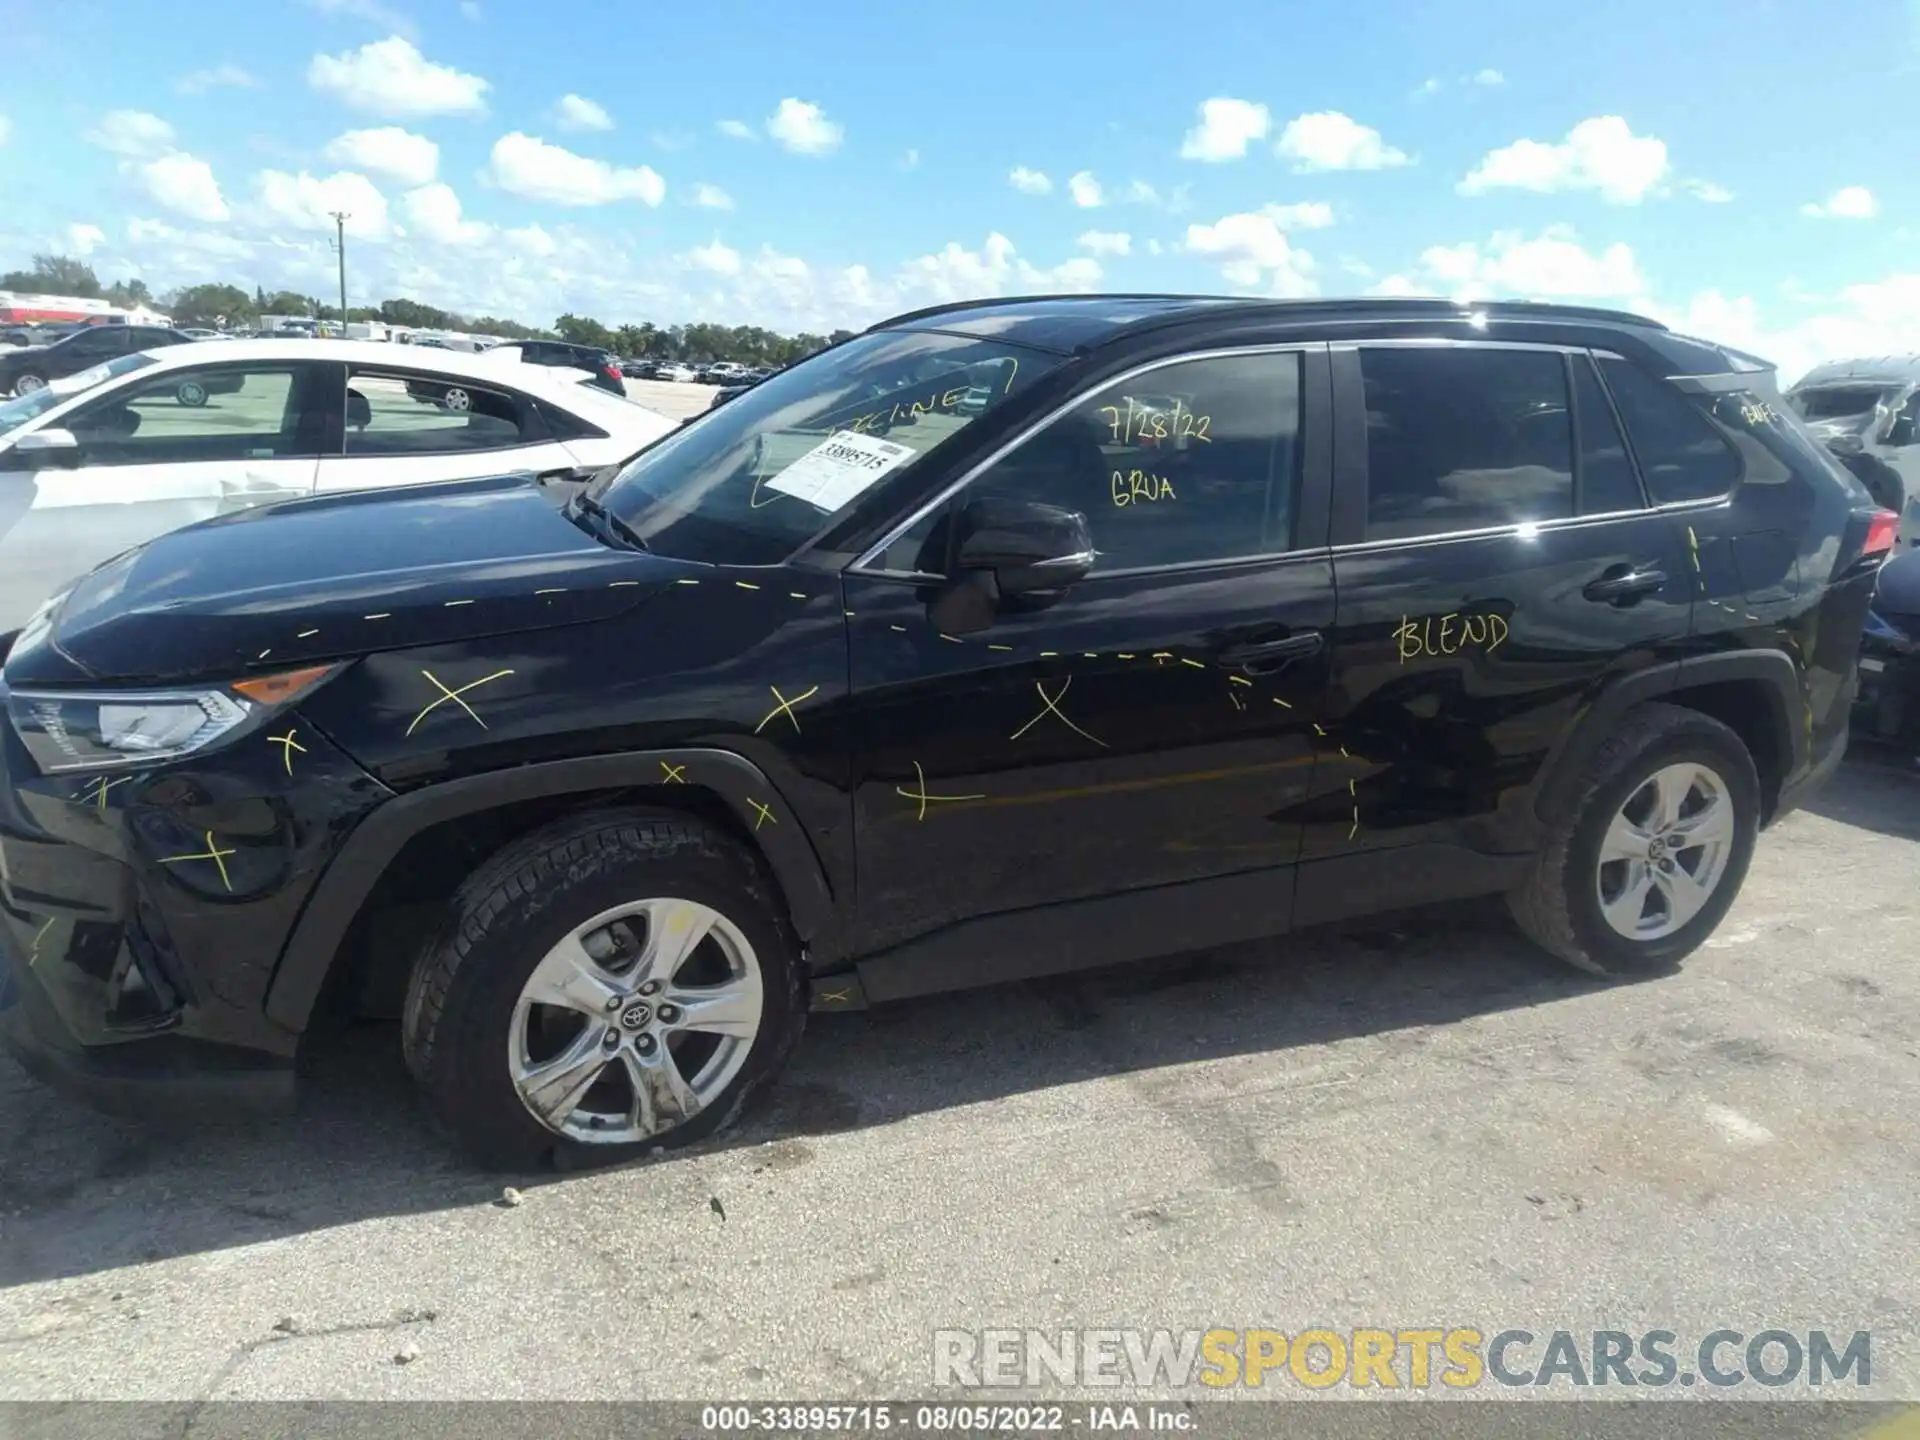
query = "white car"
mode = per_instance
[{"x": 105, "y": 459}]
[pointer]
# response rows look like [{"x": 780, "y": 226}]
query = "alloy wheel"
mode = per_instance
[
  {"x": 27, "y": 384},
  {"x": 635, "y": 1022},
  {"x": 457, "y": 399},
  {"x": 1665, "y": 852}
]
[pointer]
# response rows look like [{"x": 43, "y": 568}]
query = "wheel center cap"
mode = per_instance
[
  {"x": 1658, "y": 849},
  {"x": 634, "y": 1016}
]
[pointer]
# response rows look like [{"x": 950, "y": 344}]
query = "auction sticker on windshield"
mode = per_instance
[{"x": 839, "y": 468}]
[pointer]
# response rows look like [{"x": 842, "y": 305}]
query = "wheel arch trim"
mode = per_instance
[
  {"x": 374, "y": 844},
  {"x": 1774, "y": 670}
]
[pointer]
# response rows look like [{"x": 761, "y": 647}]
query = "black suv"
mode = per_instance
[
  {"x": 28, "y": 369},
  {"x": 1000, "y": 639}
]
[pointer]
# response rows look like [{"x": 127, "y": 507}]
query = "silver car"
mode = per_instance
[{"x": 1867, "y": 412}]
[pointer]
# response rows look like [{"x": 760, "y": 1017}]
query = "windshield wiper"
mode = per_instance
[{"x": 603, "y": 524}]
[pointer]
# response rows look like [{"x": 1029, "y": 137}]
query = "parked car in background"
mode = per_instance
[
  {"x": 195, "y": 332},
  {"x": 30, "y": 368},
  {"x": 807, "y": 707},
  {"x": 1868, "y": 413},
  {"x": 100, "y": 460},
  {"x": 600, "y": 363},
  {"x": 674, "y": 371},
  {"x": 1888, "y": 707}
]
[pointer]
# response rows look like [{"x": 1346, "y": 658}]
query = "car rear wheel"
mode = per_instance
[
  {"x": 1655, "y": 848},
  {"x": 610, "y": 986},
  {"x": 191, "y": 393},
  {"x": 456, "y": 398},
  {"x": 28, "y": 381}
]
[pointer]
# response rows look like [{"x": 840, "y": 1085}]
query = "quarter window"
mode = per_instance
[
  {"x": 1682, "y": 456},
  {"x": 1191, "y": 462},
  {"x": 1465, "y": 438},
  {"x": 421, "y": 415}
]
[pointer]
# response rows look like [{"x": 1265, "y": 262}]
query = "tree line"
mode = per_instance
[{"x": 233, "y": 307}]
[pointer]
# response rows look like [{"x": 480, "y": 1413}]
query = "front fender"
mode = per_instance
[{"x": 753, "y": 798}]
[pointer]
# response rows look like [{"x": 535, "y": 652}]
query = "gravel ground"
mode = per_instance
[{"x": 1412, "y": 1122}]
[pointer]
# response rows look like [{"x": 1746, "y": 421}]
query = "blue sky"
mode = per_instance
[{"x": 1748, "y": 170}]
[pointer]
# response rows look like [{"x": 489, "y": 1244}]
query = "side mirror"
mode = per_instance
[
  {"x": 1010, "y": 550},
  {"x": 44, "y": 450}
]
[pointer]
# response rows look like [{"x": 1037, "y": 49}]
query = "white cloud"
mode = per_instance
[
  {"x": 1227, "y": 127},
  {"x": 716, "y": 258},
  {"x": 1305, "y": 215},
  {"x": 1553, "y": 265},
  {"x": 1397, "y": 287},
  {"x": 711, "y": 197},
  {"x": 1254, "y": 252},
  {"x": 391, "y": 77},
  {"x": 535, "y": 170},
  {"x": 1489, "y": 77},
  {"x": 308, "y": 202},
  {"x": 1707, "y": 191},
  {"x": 1106, "y": 242},
  {"x": 1139, "y": 192},
  {"x": 1429, "y": 87},
  {"x": 737, "y": 130},
  {"x": 404, "y": 156},
  {"x": 1085, "y": 190},
  {"x": 1871, "y": 318},
  {"x": 576, "y": 112},
  {"x": 1601, "y": 154},
  {"x": 1329, "y": 140},
  {"x": 132, "y": 132},
  {"x": 532, "y": 240},
  {"x": 375, "y": 12},
  {"x": 215, "y": 77},
  {"x": 957, "y": 273},
  {"x": 434, "y": 213},
  {"x": 803, "y": 127},
  {"x": 85, "y": 239},
  {"x": 183, "y": 184},
  {"x": 1029, "y": 182},
  {"x": 1850, "y": 202}
]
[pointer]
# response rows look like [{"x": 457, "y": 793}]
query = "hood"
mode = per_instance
[{"x": 333, "y": 577}]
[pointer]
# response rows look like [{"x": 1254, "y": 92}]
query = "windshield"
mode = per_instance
[
  {"x": 15, "y": 413},
  {"x": 1835, "y": 402},
  {"x": 750, "y": 482}
]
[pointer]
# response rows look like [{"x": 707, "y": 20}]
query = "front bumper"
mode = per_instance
[{"x": 134, "y": 965}]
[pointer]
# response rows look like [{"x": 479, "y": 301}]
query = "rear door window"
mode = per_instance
[
  {"x": 1682, "y": 457},
  {"x": 1465, "y": 438},
  {"x": 1607, "y": 483},
  {"x": 400, "y": 414}
]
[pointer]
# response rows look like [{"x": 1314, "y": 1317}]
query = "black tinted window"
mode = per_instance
[
  {"x": 1607, "y": 481},
  {"x": 1194, "y": 461},
  {"x": 1681, "y": 455},
  {"x": 1465, "y": 439},
  {"x": 418, "y": 415}
]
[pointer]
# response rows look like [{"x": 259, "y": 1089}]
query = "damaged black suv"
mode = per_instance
[{"x": 1003, "y": 638}]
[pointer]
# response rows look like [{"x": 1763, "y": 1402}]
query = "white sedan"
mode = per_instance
[{"x": 105, "y": 459}]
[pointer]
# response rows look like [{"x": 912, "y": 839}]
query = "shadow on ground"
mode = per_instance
[{"x": 359, "y": 1146}]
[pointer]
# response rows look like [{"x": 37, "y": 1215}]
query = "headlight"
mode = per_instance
[{"x": 118, "y": 729}]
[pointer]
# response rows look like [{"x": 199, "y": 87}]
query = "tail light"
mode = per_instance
[{"x": 1880, "y": 533}]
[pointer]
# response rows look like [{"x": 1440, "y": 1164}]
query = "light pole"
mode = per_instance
[{"x": 340, "y": 218}]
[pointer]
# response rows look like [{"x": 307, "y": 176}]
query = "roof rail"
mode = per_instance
[{"x": 1353, "y": 304}]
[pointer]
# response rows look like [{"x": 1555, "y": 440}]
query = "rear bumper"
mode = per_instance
[{"x": 1797, "y": 791}]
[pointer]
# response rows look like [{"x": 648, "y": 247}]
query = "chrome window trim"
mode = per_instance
[
  {"x": 862, "y": 566},
  {"x": 1496, "y": 532},
  {"x": 1448, "y": 342}
]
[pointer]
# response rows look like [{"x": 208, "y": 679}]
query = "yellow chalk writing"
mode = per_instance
[
  {"x": 1150, "y": 423},
  {"x": 1137, "y": 487},
  {"x": 1448, "y": 635}
]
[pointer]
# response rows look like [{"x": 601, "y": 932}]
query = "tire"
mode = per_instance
[
  {"x": 468, "y": 1021},
  {"x": 456, "y": 398},
  {"x": 191, "y": 393},
  {"x": 1560, "y": 904},
  {"x": 28, "y": 381}
]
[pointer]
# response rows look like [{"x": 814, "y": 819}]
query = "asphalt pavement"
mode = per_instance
[{"x": 1411, "y": 1122}]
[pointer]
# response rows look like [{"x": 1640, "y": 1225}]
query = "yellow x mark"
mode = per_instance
[
  {"x": 785, "y": 707},
  {"x": 214, "y": 853},
  {"x": 676, "y": 774},
  {"x": 766, "y": 813},
  {"x": 921, "y": 794},
  {"x": 287, "y": 746},
  {"x": 97, "y": 791},
  {"x": 1050, "y": 705},
  {"x": 454, "y": 696}
]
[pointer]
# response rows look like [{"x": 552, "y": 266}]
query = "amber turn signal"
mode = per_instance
[{"x": 278, "y": 689}]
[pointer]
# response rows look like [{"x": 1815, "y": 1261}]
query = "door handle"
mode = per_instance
[
  {"x": 1624, "y": 587},
  {"x": 1264, "y": 656}
]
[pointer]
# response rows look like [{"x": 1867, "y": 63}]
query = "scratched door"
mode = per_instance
[
  {"x": 1502, "y": 565},
  {"x": 1156, "y": 724}
]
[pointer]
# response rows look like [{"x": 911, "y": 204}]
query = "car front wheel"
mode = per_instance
[
  {"x": 28, "y": 381},
  {"x": 1655, "y": 848},
  {"x": 610, "y": 986}
]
